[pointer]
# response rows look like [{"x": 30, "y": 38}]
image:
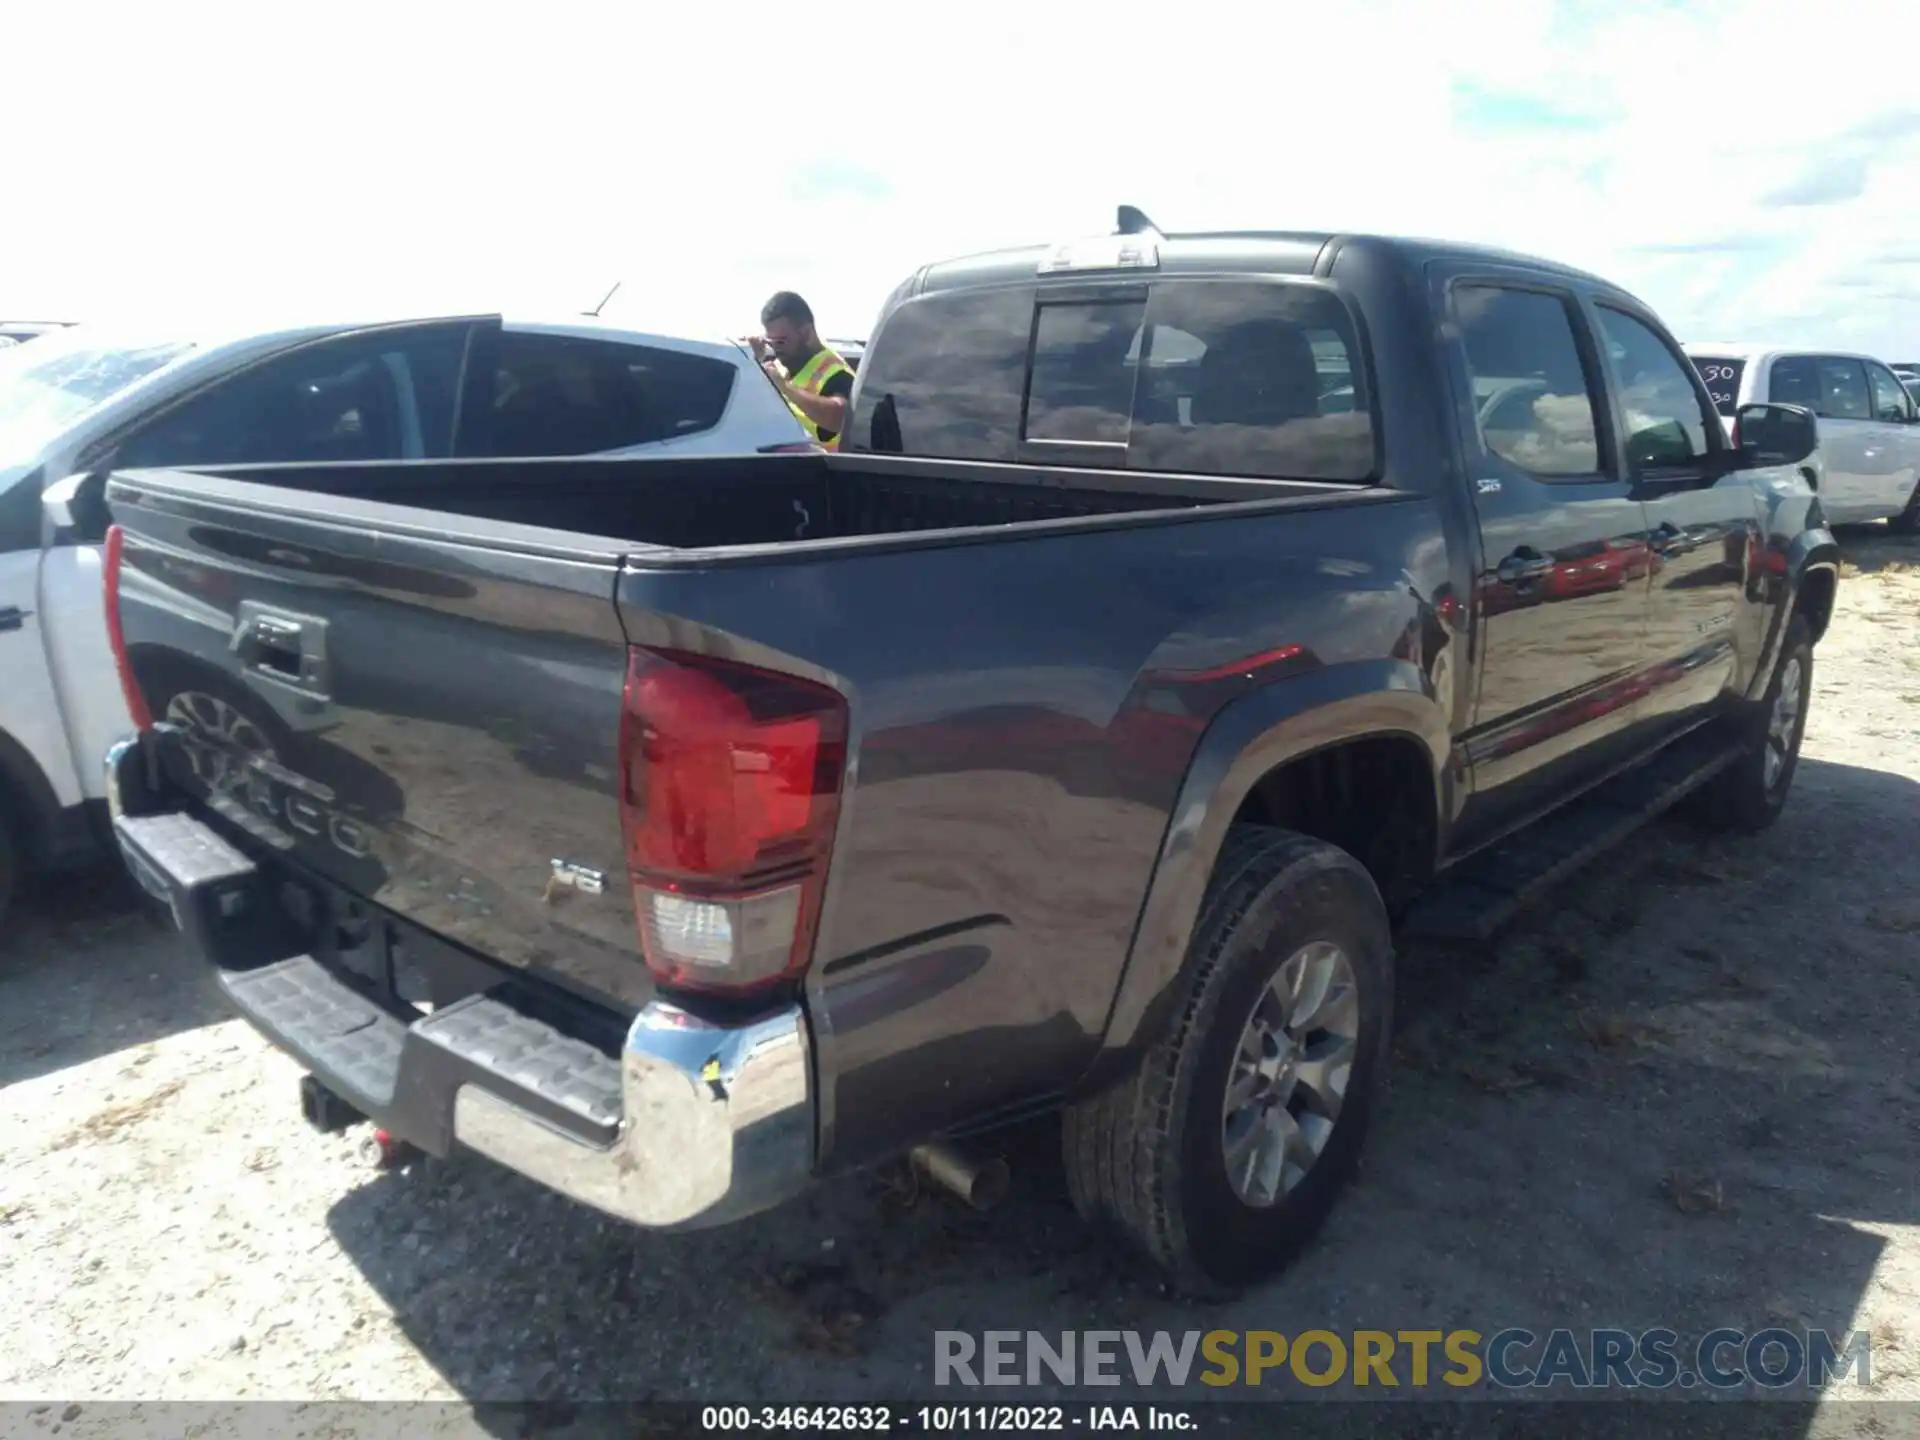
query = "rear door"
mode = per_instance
[
  {"x": 1894, "y": 414},
  {"x": 1562, "y": 602},
  {"x": 1835, "y": 388}
]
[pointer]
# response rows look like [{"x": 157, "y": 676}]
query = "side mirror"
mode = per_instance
[
  {"x": 1768, "y": 435},
  {"x": 74, "y": 510}
]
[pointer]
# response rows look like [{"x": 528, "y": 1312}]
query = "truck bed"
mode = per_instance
[
  {"x": 401, "y": 686},
  {"x": 716, "y": 502}
]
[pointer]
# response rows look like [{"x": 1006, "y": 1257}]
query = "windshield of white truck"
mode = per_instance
[{"x": 43, "y": 390}]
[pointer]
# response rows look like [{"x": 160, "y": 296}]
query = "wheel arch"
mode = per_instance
[
  {"x": 1380, "y": 705},
  {"x": 28, "y": 802},
  {"x": 1812, "y": 588}
]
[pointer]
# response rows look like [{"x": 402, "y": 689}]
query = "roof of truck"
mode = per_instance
[
  {"x": 1715, "y": 350},
  {"x": 1274, "y": 252}
]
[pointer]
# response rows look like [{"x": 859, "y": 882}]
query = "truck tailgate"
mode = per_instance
[{"x": 429, "y": 722}]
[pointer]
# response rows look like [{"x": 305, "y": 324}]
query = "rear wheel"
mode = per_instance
[
  {"x": 1223, "y": 1153},
  {"x": 9, "y": 861},
  {"x": 1907, "y": 522},
  {"x": 1749, "y": 794},
  {"x": 221, "y": 736}
]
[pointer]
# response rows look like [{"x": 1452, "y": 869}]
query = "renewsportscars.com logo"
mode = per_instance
[{"x": 1510, "y": 1359}]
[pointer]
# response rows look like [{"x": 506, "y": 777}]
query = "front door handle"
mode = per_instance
[
  {"x": 12, "y": 617},
  {"x": 1524, "y": 564}
]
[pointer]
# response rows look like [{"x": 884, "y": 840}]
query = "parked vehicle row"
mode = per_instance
[
  {"x": 1868, "y": 466},
  {"x": 77, "y": 403},
  {"x": 678, "y": 831},
  {"x": 18, "y": 332}
]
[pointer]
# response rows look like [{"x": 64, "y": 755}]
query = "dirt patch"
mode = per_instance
[{"x": 110, "y": 1122}]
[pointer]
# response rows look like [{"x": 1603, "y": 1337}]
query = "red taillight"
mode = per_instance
[
  {"x": 730, "y": 781},
  {"x": 116, "y": 636}
]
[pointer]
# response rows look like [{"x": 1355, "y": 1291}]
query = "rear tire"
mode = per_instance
[
  {"x": 1907, "y": 522},
  {"x": 1223, "y": 1153},
  {"x": 9, "y": 863},
  {"x": 1749, "y": 794}
]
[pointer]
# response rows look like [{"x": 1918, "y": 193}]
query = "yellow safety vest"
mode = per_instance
[{"x": 813, "y": 375}]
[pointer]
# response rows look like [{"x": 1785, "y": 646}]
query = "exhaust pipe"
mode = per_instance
[{"x": 981, "y": 1181}]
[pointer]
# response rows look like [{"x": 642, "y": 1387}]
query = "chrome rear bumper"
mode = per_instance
[
  {"x": 692, "y": 1125},
  {"x": 716, "y": 1124}
]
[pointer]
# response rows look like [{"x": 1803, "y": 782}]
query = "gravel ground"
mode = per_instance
[{"x": 1682, "y": 1093}]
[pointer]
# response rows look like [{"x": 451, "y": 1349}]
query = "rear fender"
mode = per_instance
[{"x": 1246, "y": 741}]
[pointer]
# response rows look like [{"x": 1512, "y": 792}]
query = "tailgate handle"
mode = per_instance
[{"x": 287, "y": 648}]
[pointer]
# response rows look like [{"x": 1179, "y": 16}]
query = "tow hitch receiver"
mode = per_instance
[{"x": 324, "y": 1110}]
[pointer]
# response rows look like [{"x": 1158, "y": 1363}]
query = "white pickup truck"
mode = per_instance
[
  {"x": 1869, "y": 463},
  {"x": 75, "y": 403}
]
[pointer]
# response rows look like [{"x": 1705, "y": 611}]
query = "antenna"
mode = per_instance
[
  {"x": 595, "y": 311},
  {"x": 1135, "y": 222}
]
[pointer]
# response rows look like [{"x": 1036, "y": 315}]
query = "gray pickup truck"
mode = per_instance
[{"x": 1186, "y": 618}]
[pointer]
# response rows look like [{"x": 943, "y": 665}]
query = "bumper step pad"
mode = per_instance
[
  {"x": 406, "y": 1076},
  {"x": 532, "y": 1056},
  {"x": 353, "y": 1045}
]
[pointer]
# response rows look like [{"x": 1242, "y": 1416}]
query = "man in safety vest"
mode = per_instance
[{"x": 813, "y": 380}]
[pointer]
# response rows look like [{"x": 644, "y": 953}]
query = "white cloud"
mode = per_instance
[{"x": 354, "y": 157}]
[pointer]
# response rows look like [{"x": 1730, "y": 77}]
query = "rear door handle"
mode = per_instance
[
  {"x": 12, "y": 617},
  {"x": 1525, "y": 563}
]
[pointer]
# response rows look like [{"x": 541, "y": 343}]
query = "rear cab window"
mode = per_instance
[{"x": 1259, "y": 378}]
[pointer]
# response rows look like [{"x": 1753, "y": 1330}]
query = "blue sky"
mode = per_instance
[{"x": 348, "y": 158}]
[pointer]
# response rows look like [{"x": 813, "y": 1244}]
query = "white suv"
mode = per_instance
[
  {"x": 74, "y": 403},
  {"x": 1869, "y": 424}
]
